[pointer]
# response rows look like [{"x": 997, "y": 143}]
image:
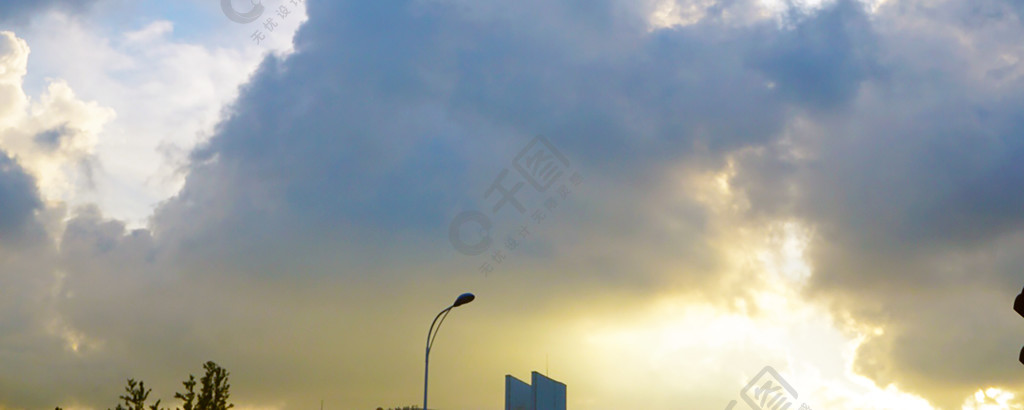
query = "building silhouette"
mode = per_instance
[{"x": 543, "y": 393}]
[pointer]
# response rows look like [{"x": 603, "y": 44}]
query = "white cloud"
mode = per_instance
[
  {"x": 55, "y": 137},
  {"x": 168, "y": 93}
]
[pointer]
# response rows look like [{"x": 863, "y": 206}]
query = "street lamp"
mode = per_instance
[{"x": 432, "y": 334}]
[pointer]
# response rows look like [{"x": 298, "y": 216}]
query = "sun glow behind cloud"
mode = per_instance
[
  {"x": 694, "y": 346},
  {"x": 716, "y": 285},
  {"x": 989, "y": 399}
]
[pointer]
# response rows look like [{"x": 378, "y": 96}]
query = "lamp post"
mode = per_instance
[{"x": 432, "y": 334}]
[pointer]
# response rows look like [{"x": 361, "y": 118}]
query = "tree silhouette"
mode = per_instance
[
  {"x": 136, "y": 396},
  {"x": 215, "y": 390},
  {"x": 213, "y": 394},
  {"x": 189, "y": 397}
]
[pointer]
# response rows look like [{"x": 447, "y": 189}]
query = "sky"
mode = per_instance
[{"x": 655, "y": 202}]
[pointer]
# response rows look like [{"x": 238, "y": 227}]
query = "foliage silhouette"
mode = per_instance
[
  {"x": 189, "y": 397},
  {"x": 213, "y": 394},
  {"x": 215, "y": 390},
  {"x": 136, "y": 396}
]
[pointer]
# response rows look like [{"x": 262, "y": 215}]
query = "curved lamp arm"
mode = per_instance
[
  {"x": 432, "y": 334},
  {"x": 430, "y": 339}
]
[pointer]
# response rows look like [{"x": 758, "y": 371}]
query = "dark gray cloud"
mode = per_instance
[
  {"x": 16, "y": 11},
  {"x": 913, "y": 191},
  {"x": 347, "y": 160},
  {"x": 26, "y": 263},
  {"x": 822, "y": 61},
  {"x": 19, "y": 199},
  {"x": 389, "y": 135},
  {"x": 51, "y": 139}
]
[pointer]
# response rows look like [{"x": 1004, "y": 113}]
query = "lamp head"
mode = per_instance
[
  {"x": 463, "y": 299},
  {"x": 1018, "y": 304}
]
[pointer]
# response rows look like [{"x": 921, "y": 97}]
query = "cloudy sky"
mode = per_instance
[{"x": 653, "y": 200}]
